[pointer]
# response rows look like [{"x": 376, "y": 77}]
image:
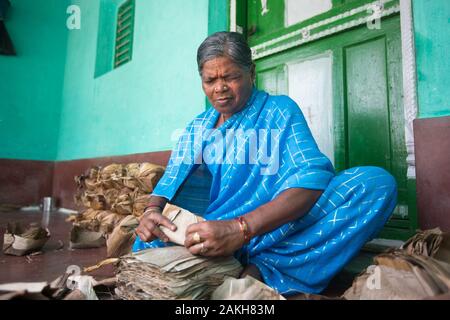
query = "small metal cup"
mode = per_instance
[{"x": 47, "y": 204}]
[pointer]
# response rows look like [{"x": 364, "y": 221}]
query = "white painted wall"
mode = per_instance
[
  {"x": 300, "y": 10},
  {"x": 310, "y": 85}
]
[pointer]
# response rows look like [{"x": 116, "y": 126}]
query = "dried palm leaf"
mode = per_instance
[
  {"x": 92, "y": 184},
  {"x": 122, "y": 238},
  {"x": 80, "y": 238},
  {"x": 140, "y": 202},
  {"x": 21, "y": 241},
  {"x": 89, "y": 214},
  {"x": 424, "y": 242},
  {"x": 131, "y": 173},
  {"x": 132, "y": 170},
  {"x": 149, "y": 175},
  {"x": 123, "y": 204},
  {"x": 110, "y": 221},
  {"x": 111, "y": 176}
]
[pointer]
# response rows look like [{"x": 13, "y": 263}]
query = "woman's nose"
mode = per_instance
[{"x": 221, "y": 86}]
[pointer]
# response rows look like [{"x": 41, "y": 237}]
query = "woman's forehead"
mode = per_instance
[{"x": 220, "y": 64}]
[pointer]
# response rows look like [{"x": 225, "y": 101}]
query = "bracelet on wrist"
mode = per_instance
[{"x": 244, "y": 228}]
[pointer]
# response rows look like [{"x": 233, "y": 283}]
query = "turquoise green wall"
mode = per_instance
[
  {"x": 58, "y": 101},
  {"x": 32, "y": 82},
  {"x": 218, "y": 20},
  {"x": 136, "y": 107},
  {"x": 105, "y": 44},
  {"x": 432, "y": 36},
  {"x": 218, "y": 16}
]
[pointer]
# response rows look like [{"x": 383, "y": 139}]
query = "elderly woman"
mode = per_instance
[{"x": 277, "y": 204}]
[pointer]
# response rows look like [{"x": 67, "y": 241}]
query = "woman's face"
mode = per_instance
[{"x": 227, "y": 85}]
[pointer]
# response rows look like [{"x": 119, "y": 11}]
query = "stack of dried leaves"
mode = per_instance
[
  {"x": 107, "y": 196},
  {"x": 420, "y": 269},
  {"x": 172, "y": 273},
  {"x": 431, "y": 243}
]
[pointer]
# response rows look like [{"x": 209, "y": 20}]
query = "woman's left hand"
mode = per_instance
[{"x": 214, "y": 238}]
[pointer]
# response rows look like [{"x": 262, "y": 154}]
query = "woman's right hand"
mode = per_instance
[{"x": 148, "y": 229}]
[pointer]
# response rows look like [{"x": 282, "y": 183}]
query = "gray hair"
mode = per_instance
[{"x": 225, "y": 44}]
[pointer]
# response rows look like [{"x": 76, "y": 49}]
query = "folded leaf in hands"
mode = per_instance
[{"x": 182, "y": 218}]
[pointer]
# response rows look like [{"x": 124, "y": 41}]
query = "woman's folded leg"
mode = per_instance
[{"x": 312, "y": 250}]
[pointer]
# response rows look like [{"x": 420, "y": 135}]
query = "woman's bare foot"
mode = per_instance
[{"x": 253, "y": 271}]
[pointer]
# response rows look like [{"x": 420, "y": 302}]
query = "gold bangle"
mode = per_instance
[{"x": 244, "y": 228}]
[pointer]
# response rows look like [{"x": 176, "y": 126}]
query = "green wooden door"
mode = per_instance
[
  {"x": 348, "y": 85},
  {"x": 367, "y": 104}
]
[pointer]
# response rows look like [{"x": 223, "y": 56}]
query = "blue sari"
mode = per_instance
[{"x": 302, "y": 255}]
